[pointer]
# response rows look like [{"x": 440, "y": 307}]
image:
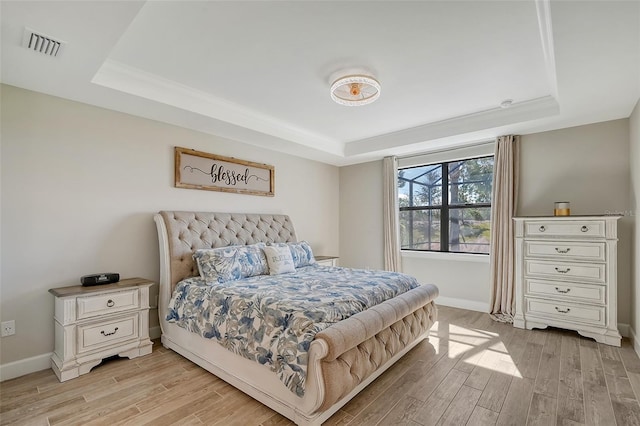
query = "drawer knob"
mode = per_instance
[
  {"x": 563, "y": 312},
  {"x": 542, "y": 228},
  {"x": 110, "y": 303},
  {"x": 563, "y": 291},
  {"x": 562, "y": 271},
  {"x": 563, "y": 251},
  {"x": 116, "y": 329},
  {"x": 584, "y": 228}
]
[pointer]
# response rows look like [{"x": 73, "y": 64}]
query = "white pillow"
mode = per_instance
[
  {"x": 300, "y": 251},
  {"x": 279, "y": 259}
]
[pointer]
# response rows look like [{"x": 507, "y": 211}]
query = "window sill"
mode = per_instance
[{"x": 458, "y": 257}]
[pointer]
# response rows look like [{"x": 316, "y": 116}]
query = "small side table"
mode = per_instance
[
  {"x": 327, "y": 260},
  {"x": 93, "y": 323}
]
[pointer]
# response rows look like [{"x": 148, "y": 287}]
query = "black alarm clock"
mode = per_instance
[{"x": 98, "y": 279}]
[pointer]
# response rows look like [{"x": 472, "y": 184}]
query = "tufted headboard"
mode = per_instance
[{"x": 190, "y": 231}]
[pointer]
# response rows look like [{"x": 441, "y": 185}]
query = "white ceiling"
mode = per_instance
[{"x": 259, "y": 72}]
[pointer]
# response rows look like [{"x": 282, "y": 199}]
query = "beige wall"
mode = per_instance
[
  {"x": 586, "y": 165},
  {"x": 361, "y": 238},
  {"x": 634, "y": 155},
  {"x": 463, "y": 280},
  {"x": 80, "y": 185}
]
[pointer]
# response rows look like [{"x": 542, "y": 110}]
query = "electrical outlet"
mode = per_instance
[{"x": 8, "y": 328}]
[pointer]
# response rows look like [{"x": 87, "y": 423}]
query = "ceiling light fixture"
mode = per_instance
[{"x": 355, "y": 90}]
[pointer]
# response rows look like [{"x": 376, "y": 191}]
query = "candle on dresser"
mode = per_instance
[{"x": 562, "y": 208}]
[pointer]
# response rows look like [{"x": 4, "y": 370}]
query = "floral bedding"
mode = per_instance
[{"x": 273, "y": 319}]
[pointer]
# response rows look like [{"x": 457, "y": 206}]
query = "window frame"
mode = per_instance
[{"x": 444, "y": 208}]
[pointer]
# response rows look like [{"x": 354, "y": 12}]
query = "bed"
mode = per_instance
[{"x": 341, "y": 360}]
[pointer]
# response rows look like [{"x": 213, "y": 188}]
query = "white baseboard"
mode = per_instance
[
  {"x": 634, "y": 340},
  {"x": 453, "y": 302},
  {"x": 155, "y": 332},
  {"x": 25, "y": 366},
  {"x": 21, "y": 367},
  {"x": 624, "y": 329}
]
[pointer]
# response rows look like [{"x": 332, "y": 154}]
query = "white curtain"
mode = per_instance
[
  {"x": 504, "y": 203},
  {"x": 392, "y": 261}
]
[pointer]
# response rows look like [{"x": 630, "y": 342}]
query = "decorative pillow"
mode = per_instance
[
  {"x": 231, "y": 263},
  {"x": 302, "y": 254},
  {"x": 279, "y": 259},
  {"x": 300, "y": 251}
]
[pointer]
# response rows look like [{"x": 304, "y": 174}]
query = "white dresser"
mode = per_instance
[
  {"x": 92, "y": 323},
  {"x": 566, "y": 275}
]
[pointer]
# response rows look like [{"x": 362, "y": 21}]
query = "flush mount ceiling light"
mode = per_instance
[{"x": 355, "y": 90}]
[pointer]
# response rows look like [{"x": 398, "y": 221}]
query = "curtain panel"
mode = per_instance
[
  {"x": 392, "y": 260},
  {"x": 504, "y": 203}
]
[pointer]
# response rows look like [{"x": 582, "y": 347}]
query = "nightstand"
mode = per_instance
[
  {"x": 327, "y": 260},
  {"x": 93, "y": 323}
]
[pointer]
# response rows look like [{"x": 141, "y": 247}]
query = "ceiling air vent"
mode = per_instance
[{"x": 41, "y": 43}]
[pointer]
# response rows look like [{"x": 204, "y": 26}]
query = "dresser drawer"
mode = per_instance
[
  {"x": 102, "y": 304},
  {"x": 565, "y": 229},
  {"x": 594, "y": 272},
  {"x": 594, "y": 315},
  {"x": 565, "y": 249},
  {"x": 106, "y": 333},
  {"x": 591, "y": 293}
]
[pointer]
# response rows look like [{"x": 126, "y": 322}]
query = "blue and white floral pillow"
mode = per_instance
[
  {"x": 231, "y": 263},
  {"x": 301, "y": 253}
]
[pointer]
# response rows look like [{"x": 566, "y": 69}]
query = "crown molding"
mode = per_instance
[
  {"x": 543, "y": 8},
  {"x": 518, "y": 112},
  {"x": 121, "y": 77},
  {"x": 133, "y": 81}
]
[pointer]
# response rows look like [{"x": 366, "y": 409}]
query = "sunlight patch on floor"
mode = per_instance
[{"x": 475, "y": 347}]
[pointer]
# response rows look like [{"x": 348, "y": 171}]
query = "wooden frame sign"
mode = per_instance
[{"x": 200, "y": 170}]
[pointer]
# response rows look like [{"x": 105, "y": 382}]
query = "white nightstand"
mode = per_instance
[
  {"x": 93, "y": 323},
  {"x": 327, "y": 260}
]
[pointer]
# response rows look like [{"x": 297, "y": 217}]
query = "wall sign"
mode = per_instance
[{"x": 200, "y": 170}]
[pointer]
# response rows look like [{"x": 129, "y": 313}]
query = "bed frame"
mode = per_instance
[{"x": 343, "y": 359}]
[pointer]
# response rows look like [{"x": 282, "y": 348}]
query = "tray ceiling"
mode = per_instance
[{"x": 260, "y": 72}]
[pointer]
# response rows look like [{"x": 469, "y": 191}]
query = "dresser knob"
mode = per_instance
[
  {"x": 110, "y": 303},
  {"x": 542, "y": 228},
  {"x": 563, "y": 291},
  {"x": 584, "y": 228},
  {"x": 562, "y": 271},
  {"x": 563, "y": 312},
  {"x": 563, "y": 251}
]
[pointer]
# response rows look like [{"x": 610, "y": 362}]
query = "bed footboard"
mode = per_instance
[{"x": 358, "y": 346}]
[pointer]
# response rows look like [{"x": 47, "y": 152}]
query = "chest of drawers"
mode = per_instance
[
  {"x": 566, "y": 275},
  {"x": 93, "y": 323}
]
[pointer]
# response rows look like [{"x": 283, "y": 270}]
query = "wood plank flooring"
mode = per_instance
[{"x": 472, "y": 371}]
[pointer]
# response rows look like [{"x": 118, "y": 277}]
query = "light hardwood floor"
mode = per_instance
[{"x": 472, "y": 371}]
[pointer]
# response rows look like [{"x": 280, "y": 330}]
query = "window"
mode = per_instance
[{"x": 446, "y": 206}]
